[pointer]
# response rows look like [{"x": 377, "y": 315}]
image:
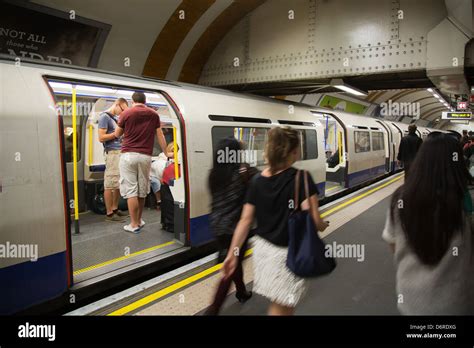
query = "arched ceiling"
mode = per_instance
[{"x": 167, "y": 39}]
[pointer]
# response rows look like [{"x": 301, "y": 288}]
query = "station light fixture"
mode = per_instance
[
  {"x": 339, "y": 84},
  {"x": 65, "y": 88},
  {"x": 440, "y": 99}
]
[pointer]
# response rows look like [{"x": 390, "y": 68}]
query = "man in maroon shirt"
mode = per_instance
[{"x": 139, "y": 125}]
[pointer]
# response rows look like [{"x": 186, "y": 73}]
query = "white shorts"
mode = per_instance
[{"x": 134, "y": 175}]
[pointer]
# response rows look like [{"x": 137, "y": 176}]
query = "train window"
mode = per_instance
[
  {"x": 362, "y": 141},
  {"x": 168, "y": 133},
  {"x": 377, "y": 141},
  {"x": 253, "y": 140},
  {"x": 309, "y": 144}
]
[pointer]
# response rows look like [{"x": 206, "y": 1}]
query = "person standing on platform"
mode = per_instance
[
  {"x": 139, "y": 125},
  {"x": 270, "y": 198},
  {"x": 464, "y": 138},
  {"x": 112, "y": 145},
  {"x": 228, "y": 182},
  {"x": 408, "y": 148},
  {"x": 429, "y": 228}
]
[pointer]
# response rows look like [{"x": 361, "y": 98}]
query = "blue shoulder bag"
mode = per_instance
[{"x": 306, "y": 251}]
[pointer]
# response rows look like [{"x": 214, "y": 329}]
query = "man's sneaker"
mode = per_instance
[
  {"x": 131, "y": 229},
  {"x": 122, "y": 213},
  {"x": 114, "y": 218},
  {"x": 142, "y": 223}
]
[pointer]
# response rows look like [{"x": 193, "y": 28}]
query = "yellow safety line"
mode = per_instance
[
  {"x": 163, "y": 292},
  {"x": 170, "y": 289},
  {"x": 74, "y": 153},
  {"x": 90, "y": 268},
  {"x": 355, "y": 199},
  {"x": 333, "y": 188},
  {"x": 90, "y": 144}
]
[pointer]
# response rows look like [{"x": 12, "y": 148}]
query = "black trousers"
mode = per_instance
[
  {"x": 237, "y": 277},
  {"x": 167, "y": 208}
]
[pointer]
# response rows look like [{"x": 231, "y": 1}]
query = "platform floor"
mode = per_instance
[
  {"x": 354, "y": 288},
  {"x": 102, "y": 242}
]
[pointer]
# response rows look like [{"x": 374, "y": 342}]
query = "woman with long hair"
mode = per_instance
[
  {"x": 270, "y": 198},
  {"x": 429, "y": 229},
  {"x": 228, "y": 183}
]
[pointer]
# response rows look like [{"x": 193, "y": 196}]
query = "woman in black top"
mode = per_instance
[
  {"x": 228, "y": 183},
  {"x": 270, "y": 198}
]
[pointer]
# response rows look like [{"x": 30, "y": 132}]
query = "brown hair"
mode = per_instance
[
  {"x": 412, "y": 128},
  {"x": 139, "y": 97},
  {"x": 280, "y": 143}
]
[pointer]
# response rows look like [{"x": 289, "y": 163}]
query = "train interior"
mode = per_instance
[
  {"x": 334, "y": 150},
  {"x": 98, "y": 246}
]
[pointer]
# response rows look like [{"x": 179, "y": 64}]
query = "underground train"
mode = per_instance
[{"x": 36, "y": 175}]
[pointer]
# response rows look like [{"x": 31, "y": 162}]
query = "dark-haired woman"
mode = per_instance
[
  {"x": 270, "y": 198},
  {"x": 429, "y": 229},
  {"x": 228, "y": 183}
]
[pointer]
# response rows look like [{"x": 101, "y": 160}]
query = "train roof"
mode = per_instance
[{"x": 93, "y": 72}]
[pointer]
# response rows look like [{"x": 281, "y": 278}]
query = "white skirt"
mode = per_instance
[{"x": 272, "y": 278}]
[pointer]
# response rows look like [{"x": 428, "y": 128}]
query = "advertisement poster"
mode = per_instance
[
  {"x": 37, "y": 32},
  {"x": 341, "y": 104}
]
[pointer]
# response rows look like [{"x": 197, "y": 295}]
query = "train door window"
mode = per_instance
[
  {"x": 361, "y": 141},
  {"x": 64, "y": 106},
  {"x": 252, "y": 138},
  {"x": 308, "y": 144},
  {"x": 377, "y": 141}
]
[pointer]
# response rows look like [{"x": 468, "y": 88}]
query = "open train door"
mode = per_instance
[
  {"x": 336, "y": 154},
  {"x": 102, "y": 248},
  {"x": 389, "y": 147}
]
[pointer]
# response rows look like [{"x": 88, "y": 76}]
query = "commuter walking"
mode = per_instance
[
  {"x": 429, "y": 229},
  {"x": 139, "y": 125},
  {"x": 112, "y": 145},
  {"x": 409, "y": 146},
  {"x": 270, "y": 198},
  {"x": 228, "y": 184}
]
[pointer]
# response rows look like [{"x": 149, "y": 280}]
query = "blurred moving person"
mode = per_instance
[
  {"x": 465, "y": 137},
  {"x": 429, "y": 229},
  {"x": 167, "y": 200},
  {"x": 139, "y": 125},
  {"x": 270, "y": 198},
  {"x": 409, "y": 146},
  {"x": 107, "y": 123},
  {"x": 228, "y": 184}
]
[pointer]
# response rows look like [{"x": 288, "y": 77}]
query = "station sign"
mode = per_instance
[{"x": 456, "y": 115}]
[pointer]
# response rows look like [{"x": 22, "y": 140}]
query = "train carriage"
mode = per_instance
[{"x": 43, "y": 179}]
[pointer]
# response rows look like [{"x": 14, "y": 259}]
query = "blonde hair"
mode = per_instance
[{"x": 280, "y": 143}]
